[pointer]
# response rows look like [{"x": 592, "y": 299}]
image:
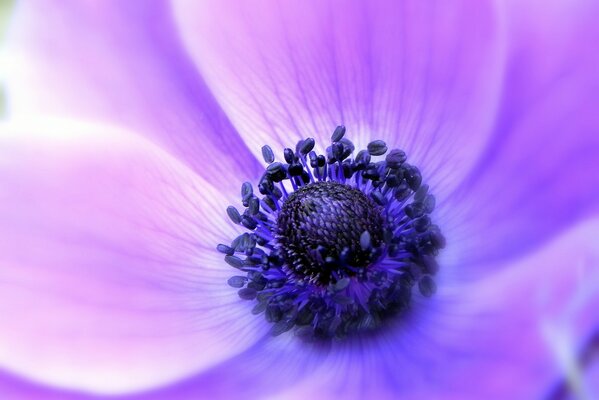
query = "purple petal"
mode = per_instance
[
  {"x": 538, "y": 174},
  {"x": 110, "y": 279},
  {"x": 120, "y": 63},
  {"x": 581, "y": 380},
  {"x": 487, "y": 339},
  {"x": 423, "y": 76},
  {"x": 591, "y": 377}
]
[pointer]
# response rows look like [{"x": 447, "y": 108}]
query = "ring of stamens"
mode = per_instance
[{"x": 336, "y": 243}]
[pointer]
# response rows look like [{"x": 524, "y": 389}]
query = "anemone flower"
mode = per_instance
[{"x": 340, "y": 155}]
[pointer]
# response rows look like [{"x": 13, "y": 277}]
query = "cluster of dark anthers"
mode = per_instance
[{"x": 335, "y": 244}]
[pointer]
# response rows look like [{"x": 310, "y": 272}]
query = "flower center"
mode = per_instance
[
  {"x": 335, "y": 243},
  {"x": 327, "y": 230}
]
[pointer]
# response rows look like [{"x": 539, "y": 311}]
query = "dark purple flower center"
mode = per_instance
[
  {"x": 329, "y": 229},
  {"x": 335, "y": 243}
]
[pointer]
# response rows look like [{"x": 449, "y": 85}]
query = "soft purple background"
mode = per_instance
[{"x": 130, "y": 126}]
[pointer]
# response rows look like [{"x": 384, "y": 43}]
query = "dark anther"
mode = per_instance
[
  {"x": 429, "y": 204},
  {"x": 306, "y": 146},
  {"x": 338, "y": 133},
  {"x": 427, "y": 286},
  {"x": 289, "y": 156},
  {"x": 276, "y": 172},
  {"x": 267, "y": 154},
  {"x": 348, "y": 149},
  {"x": 249, "y": 223},
  {"x": 393, "y": 180},
  {"x": 330, "y": 156},
  {"x": 395, "y": 158},
  {"x": 237, "y": 281},
  {"x": 414, "y": 210},
  {"x": 363, "y": 158},
  {"x": 421, "y": 193},
  {"x": 338, "y": 150},
  {"x": 233, "y": 214},
  {"x": 321, "y": 161},
  {"x": 246, "y": 192},
  {"x": 253, "y": 206},
  {"x": 295, "y": 169},
  {"x": 413, "y": 177},
  {"x": 247, "y": 293},
  {"x": 377, "y": 148},
  {"x": 225, "y": 249},
  {"x": 422, "y": 223},
  {"x": 234, "y": 261},
  {"x": 402, "y": 192},
  {"x": 312, "y": 157},
  {"x": 371, "y": 173},
  {"x": 347, "y": 170},
  {"x": 265, "y": 186}
]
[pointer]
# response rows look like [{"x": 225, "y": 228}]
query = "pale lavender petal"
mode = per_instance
[
  {"x": 490, "y": 339},
  {"x": 109, "y": 274},
  {"x": 538, "y": 174},
  {"x": 424, "y": 76},
  {"x": 15, "y": 387},
  {"x": 120, "y": 63}
]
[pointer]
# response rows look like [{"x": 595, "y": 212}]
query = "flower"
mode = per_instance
[{"x": 132, "y": 126}]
